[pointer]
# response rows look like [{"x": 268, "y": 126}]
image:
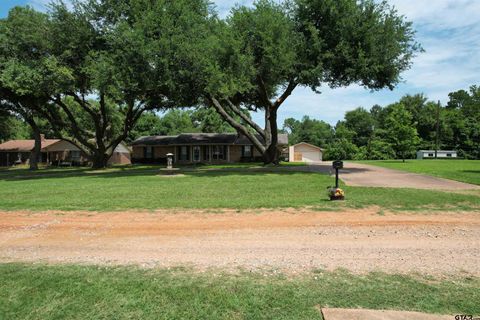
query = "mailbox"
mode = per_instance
[{"x": 338, "y": 164}]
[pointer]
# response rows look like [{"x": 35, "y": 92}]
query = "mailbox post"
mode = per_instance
[{"x": 337, "y": 165}]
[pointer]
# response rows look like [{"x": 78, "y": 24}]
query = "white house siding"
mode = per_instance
[{"x": 429, "y": 154}]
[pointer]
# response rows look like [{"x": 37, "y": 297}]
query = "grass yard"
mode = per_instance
[
  {"x": 460, "y": 170},
  {"x": 141, "y": 187},
  {"x": 89, "y": 292}
]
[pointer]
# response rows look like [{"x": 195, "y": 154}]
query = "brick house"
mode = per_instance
[
  {"x": 54, "y": 152},
  {"x": 199, "y": 148}
]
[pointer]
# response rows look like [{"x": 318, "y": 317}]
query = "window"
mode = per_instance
[
  {"x": 430, "y": 154},
  {"x": 206, "y": 153},
  {"x": 218, "y": 152},
  {"x": 449, "y": 154},
  {"x": 75, "y": 155},
  {"x": 183, "y": 154},
  {"x": 247, "y": 151},
  {"x": 196, "y": 153},
  {"x": 148, "y": 152}
]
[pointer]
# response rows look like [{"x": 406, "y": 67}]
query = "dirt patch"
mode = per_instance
[{"x": 293, "y": 240}]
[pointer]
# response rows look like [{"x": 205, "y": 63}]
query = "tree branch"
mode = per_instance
[
  {"x": 245, "y": 118},
  {"x": 240, "y": 128},
  {"x": 288, "y": 91},
  {"x": 263, "y": 92},
  {"x": 76, "y": 129},
  {"x": 56, "y": 123}
]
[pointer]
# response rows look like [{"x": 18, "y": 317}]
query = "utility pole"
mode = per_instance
[{"x": 437, "y": 135}]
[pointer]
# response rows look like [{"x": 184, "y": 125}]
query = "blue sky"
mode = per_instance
[{"x": 449, "y": 31}]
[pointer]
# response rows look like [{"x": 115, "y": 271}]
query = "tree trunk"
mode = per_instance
[
  {"x": 100, "y": 160},
  {"x": 36, "y": 152},
  {"x": 271, "y": 154}
]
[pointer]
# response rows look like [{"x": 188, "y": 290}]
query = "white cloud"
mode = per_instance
[
  {"x": 224, "y": 6},
  {"x": 39, "y": 4},
  {"x": 440, "y": 13}
]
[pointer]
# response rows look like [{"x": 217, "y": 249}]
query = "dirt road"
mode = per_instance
[{"x": 289, "y": 240}]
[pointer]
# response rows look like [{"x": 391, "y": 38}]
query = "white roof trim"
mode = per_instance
[{"x": 308, "y": 144}]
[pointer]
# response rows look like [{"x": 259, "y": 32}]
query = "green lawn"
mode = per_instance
[
  {"x": 460, "y": 170},
  {"x": 88, "y": 292},
  {"x": 141, "y": 187}
]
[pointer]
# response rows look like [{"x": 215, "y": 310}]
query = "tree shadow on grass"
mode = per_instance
[{"x": 133, "y": 171}]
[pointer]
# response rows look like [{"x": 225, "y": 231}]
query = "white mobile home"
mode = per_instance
[{"x": 430, "y": 154}]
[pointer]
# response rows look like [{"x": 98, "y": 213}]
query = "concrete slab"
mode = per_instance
[{"x": 364, "y": 314}]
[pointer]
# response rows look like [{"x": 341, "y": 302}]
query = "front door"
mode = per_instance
[{"x": 196, "y": 153}]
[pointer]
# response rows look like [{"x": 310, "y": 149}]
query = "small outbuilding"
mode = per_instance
[
  {"x": 430, "y": 154},
  {"x": 305, "y": 152}
]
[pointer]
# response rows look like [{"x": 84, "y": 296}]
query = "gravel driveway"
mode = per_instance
[
  {"x": 290, "y": 240},
  {"x": 356, "y": 174}
]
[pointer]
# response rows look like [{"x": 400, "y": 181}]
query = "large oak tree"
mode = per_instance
[
  {"x": 102, "y": 64},
  {"x": 261, "y": 54}
]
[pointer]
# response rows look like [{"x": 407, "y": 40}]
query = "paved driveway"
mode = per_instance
[{"x": 356, "y": 174}]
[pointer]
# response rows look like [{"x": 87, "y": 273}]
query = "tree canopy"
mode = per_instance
[
  {"x": 271, "y": 48},
  {"x": 399, "y": 129},
  {"x": 94, "y": 68}
]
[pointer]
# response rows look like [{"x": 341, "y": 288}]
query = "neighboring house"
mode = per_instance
[
  {"x": 18, "y": 151},
  {"x": 305, "y": 152},
  {"x": 199, "y": 148},
  {"x": 429, "y": 154},
  {"x": 54, "y": 152}
]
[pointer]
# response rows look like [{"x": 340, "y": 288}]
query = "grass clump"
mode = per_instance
[
  {"x": 142, "y": 187},
  {"x": 89, "y": 292}
]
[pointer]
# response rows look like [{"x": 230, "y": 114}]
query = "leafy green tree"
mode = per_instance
[
  {"x": 341, "y": 149},
  {"x": 147, "y": 125},
  {"x": 176, "y": 122},
  {"x": 463, "y": 121},
  {"x": 12, "y": 128},
  {"x": 362, "y": 123},
  {"x": 379, "y": 149},
  {"x": 261, "y": 54},
  {"x": 208, "y": 120},
  {"x": 101, "y": 64},
  {"x": 308, "y": 130},
  {"x": 400, "y": 131},
  {"x": 22, "y": 45}
]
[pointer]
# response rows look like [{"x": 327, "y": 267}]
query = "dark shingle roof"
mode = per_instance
[
  {"x": 201, "y": 139},
  {"x": 243, "y": 140}
]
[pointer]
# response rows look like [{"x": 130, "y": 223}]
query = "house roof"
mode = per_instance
[
  {"x": 201, "y": 139},
  {"x": 24, "y": 145},
  {"x": 308, "y": 144}
]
